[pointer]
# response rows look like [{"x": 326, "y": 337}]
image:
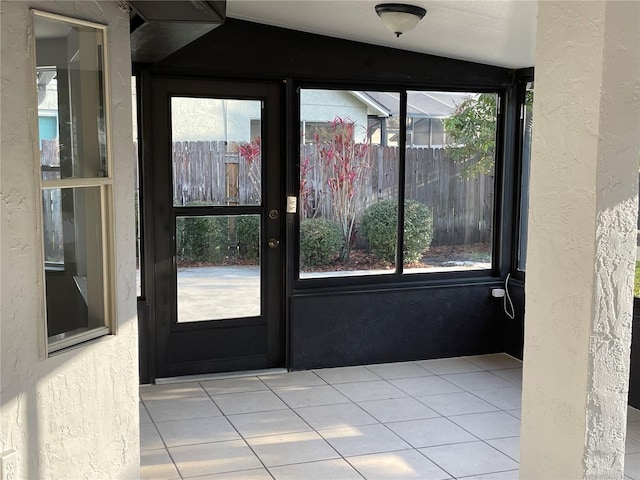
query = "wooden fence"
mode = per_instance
[
  {"x": 462, "y": 209},
  {"x": 214, "y": 172},
  {"x": 51, "y": 203}
]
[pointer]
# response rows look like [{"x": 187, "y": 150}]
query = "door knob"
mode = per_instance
[{"x": 273, "y": 243}]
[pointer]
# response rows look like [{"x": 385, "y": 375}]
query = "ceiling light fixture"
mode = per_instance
[{"x": 398, "y": 17}]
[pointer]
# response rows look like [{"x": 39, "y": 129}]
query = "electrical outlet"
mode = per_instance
[{"x": 8, "y": 467}]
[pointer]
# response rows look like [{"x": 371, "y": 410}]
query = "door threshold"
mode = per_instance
[{"x": 219, "y": 376}]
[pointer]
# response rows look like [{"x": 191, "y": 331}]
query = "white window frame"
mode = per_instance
[{"x": 104, "y": 183}]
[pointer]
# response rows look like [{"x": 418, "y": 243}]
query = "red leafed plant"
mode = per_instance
[
  {"x": 347, "y": 164},
  {"x": 252, "y": 153}
]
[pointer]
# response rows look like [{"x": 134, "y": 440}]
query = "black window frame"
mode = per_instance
[
  {"x": 398, "y": 278},
  {"x": 522, "y": 79}
]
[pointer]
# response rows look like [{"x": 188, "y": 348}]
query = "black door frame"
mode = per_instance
[{"x": 158, "y": 322}]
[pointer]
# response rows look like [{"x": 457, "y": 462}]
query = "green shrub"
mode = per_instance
[
  {"x": 200, "y": 239},
  {"x": 380, "y": 227},
  {"x": 248, "y": 228},
  {"x": 320, "y": 242}
]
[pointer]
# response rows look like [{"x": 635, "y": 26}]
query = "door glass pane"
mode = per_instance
[
  {"x": 448, "y": 211},
  {"x": 217, "y": 152},
  {"x": 218, "y": 267}
]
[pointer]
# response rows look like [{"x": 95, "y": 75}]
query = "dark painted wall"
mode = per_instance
[
  {"x": 250, "y": 50},
  {"x": 363, "y": 327},
  {"x": 362, "y": 322},
  {"x": 514, "y": 328}
]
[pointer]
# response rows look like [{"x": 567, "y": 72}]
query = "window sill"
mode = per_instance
[{"x": 66, "y": 340}]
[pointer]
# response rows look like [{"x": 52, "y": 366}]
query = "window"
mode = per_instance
[
  {"x": 75, "y": 179},
  {"x": 527, "y": 124},
  {"x": 350, "y": 178}
]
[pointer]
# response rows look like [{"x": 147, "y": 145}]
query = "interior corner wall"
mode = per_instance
[{"x": 75, "y": 414}]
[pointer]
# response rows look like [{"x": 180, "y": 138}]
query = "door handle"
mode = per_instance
[{"x": 273, "y": 243}]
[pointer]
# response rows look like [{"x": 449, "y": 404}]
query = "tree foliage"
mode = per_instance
[
  {"x": 347, "y": 163},
  {"x": 471, "y": 134}
]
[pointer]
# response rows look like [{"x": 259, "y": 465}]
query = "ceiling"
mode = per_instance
[{"x": 494, "y": 32}]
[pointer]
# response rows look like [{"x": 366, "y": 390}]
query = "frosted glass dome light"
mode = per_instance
[{"x": 398, "y": 17}]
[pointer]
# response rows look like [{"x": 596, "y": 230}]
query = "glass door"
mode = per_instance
[{"x": 217, "y": 229}]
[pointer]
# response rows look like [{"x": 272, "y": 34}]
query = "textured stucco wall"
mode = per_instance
[
  {"x": 581, "y": 250},
  {"x": 74, "y": 415}
]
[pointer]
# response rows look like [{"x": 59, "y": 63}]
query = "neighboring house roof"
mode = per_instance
[
  {"x": 420, "y": 104},
  {"x": 375, "y": 107}
]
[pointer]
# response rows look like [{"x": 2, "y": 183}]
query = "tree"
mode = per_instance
[
  {"x": 346, "y": 163},
  {"x": 471, "y": 134}
]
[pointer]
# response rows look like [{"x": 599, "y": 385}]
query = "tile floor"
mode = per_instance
[{"x": 427, "y": 420}]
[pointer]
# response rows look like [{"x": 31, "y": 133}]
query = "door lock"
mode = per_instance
[
  {"x": 274, "y": 214},
  {"x": 273, "y": 243}
]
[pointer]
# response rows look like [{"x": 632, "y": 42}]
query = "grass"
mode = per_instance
[{"x": 636, "y": 283}]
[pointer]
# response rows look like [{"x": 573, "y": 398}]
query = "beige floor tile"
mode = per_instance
[
  {"x": 516, "y": 413},
  {"x": 457, "y": 403},
  {"x": 181, "y": 408},
  {"x": 144, "y": 415},
  {"x": 263, "y": 424},
  {"x": 631, "y": 445},
  {"x": 490, "y": 425},
  {"x": 210, "y": 458},
  {"x": 248, "y": 402},
  {"x": 510, "y": 475},
  {"x": 253, "y": 474},
  {"x": 477, "y": 381},
  {"x": 363, "y": 391},
  {"x": 495, "y": 361},
  {"x": 403, "y": 465},
  {"x": 510, "y": 446},
  {"x": 390, "y": 371},
  {"x": 632, "y": 465},
  {"x": 364, "y": 439},
  {"x": 419, "y": 386},
  {"x": 346, "y": 375},
  {"x": 398, "y": 409},
  {"x": 430, "y": 431},
  {"x": 337, "y": 469},
  {"x": 233, "y": 385},
  {"x": 335, "y": 416},
  {"x": 298, "y": 397},
  {"x": 465, "y": 459},
  {"x": 291, "y": 448},
  {"x": 504, "y": 398},
  {"x": 444, "y": 366},
  {"x": 149, "y": 437},
  {"x": 198, "y": 430},
  {"x": 171, "y": 391},
  {"x": 633, "y": 430},
  {"x": 513, "y": 375},
  {"x": 293, "y": 379},
  {"x": 157, "y": 465}
]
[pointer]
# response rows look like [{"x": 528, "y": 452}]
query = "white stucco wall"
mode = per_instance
[
  {"x": 581, "y": 243},
  {"x": 74, "y": 415}
]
